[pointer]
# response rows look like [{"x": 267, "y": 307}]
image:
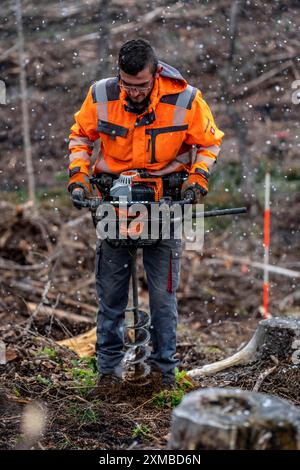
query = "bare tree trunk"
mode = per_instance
[
  {"x": 238, "y": 122},
  {"x": 2, "y": 92},
  {"x": 104, "y": 39},
  {"x": 25, "y": 114}
]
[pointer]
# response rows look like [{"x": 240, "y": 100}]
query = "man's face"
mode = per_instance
[{"x": 138, "y": 87}]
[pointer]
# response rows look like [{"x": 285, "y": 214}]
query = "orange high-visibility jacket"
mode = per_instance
[{"x": 159, "y": 140}]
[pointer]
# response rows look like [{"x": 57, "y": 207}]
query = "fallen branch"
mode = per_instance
[
  {"x": 262, "y": 377},
  {"x": 8, "y": 52},
  {"x": 83, "y": 345},
  {"x": 254, "y": 264},
  {"x": 78, "y": 221},
  {"x": 289, "y": 300},
  {"x": 257, "y": 82},
  {"x": 43, "y": 310},
  {"x": 8, "y": 265},
  {"x": 140, "y": 23},
  {"x": 81, "y": 285},
  {"x": 40, "y": 305},
  {"x": 33, "y": 289}
]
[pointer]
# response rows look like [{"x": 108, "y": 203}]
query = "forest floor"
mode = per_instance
[{"x": 47, "y": 294}]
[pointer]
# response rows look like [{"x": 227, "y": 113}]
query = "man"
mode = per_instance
[{"x": 147, "y": 118}]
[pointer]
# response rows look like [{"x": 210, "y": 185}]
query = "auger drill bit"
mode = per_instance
[{"x": 136, "y": 335}]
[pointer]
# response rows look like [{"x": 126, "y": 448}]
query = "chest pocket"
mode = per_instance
[
  {"x": 166, "y": 142},
  {"x": 117, "y": 140}
]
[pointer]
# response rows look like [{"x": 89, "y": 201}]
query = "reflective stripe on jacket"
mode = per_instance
[{"x": 159, "y": 140}]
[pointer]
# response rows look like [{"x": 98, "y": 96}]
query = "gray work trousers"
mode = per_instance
[{"x": 113, "y": 270}]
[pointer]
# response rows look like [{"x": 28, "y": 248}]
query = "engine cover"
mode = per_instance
[{"x": 135, "y": 186}]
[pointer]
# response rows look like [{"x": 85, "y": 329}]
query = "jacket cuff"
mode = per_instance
[
  {"x": 79, "y": 179},
  {"x": 200, "y": 180}
]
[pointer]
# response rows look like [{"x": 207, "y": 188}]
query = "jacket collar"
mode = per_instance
[
  {"x": 169, "y": 82},
  {"x": 170, "y": 72}
]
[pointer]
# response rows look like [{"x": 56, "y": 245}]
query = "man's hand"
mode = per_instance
[
  {"x": 196, "y": 186},
  {"x": 77, "y": 194},
  {"x": 194, "y": 192}
]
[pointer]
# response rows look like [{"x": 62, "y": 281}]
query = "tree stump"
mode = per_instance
[
  {"x": 277, "y": 337},
  {"x": 217, "y": 418}
]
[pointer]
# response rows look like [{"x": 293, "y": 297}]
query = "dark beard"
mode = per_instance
[{"x": 139, "y": 107}]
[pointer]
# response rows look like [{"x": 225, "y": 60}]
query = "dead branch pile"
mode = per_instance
[{"x": 46, "y": 271}]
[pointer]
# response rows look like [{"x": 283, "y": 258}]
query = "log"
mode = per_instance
[
  {"x": 61, "y": 314},
  {"x": 273, "y": 337},
  {"x": 8, "y": 265},
  {"x": 254, "y": 264},
  {"x": 38, "y": 290},
  {"x": 258, "y": 81},
  {"x": 83, "y": 345},
  {"x": 142, "y": 22},
  {"x": 228, "y": 419}
]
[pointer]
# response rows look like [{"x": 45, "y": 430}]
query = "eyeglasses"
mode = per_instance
[{"x": 129, "y": 88}]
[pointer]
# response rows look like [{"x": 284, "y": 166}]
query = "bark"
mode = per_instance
[
  {"x": 238, "y": 122},
  {"x": 219, "y": 419},
  {"x": 25, "y": 113}
]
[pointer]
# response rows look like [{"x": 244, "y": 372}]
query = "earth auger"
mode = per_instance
[{"x": 139, "y": 188}]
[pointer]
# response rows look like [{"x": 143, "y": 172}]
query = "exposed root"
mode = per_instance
[{"x": 272, "y": 337}]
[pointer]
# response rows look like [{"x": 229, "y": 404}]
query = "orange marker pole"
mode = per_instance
[{"x": 266, "y": 247}]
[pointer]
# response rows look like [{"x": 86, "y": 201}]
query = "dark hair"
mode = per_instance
[{"x": 135, "y": 55}]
